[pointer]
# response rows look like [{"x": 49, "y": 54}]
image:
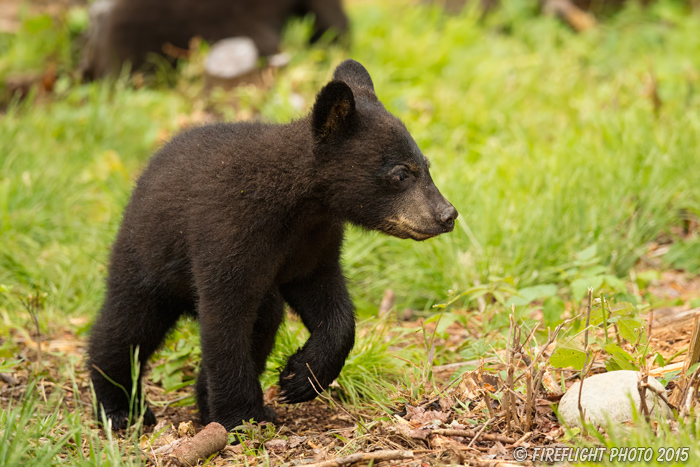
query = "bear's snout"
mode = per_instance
[{"x": 448, "y": 216}]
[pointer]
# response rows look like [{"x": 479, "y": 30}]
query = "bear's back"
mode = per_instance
[{"x": 250, "y": 181}]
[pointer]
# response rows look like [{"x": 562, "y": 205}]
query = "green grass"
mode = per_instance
[
  {"x": 661, "y": 445},
  {"x": 544, "y": 140},
  {"x": 547, "y": 142}
]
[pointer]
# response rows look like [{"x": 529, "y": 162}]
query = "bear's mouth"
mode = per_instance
[{"x": 402, "y": 229}]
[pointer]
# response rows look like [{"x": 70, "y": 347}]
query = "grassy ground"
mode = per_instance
[{"x": 565, "y": 154}]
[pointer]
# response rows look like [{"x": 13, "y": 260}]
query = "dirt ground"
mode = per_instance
[{"x": 454, "y": 426}]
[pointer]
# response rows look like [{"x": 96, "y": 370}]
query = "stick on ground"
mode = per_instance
[
  {"x": 472, "y": 434},
  {"x": 364, "y": 457},
  {"x": 213, "y": 438}
]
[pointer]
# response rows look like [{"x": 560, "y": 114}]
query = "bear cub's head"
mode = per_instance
[{"x": 371, "y": 170}]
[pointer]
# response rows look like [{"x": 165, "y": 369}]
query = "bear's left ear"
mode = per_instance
[
  {"x": 334, "y": 106},
  {"x": 356, "y": 76}
]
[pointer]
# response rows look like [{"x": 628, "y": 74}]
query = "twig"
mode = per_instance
[
  {"x": 493, "y": 463},
  {"x": 516, "y": 394},
  {"x": 487, "y": 401},
  {"x": 364, "y": 457},
  {"x": 449, "y": 366},
  {"x": 642, "y": 388},
  {"x": 325, "y": 394},
  {"x": 660, "y": 394},
  {"x": 550, "y": 340},
  {"x": 581, "y": 411},
  {"x": 471, "y": 443},
  {"x": 682, "y": 394},
  {"x": 685, "y": 410},
  {"x": 693, "y": 356},
  {"x": 605, "y": 317},
  {"x": 32, "y": 303},
  {"x": 510, "y": 385},
  {"x": 20, "y": 388},
  {"x": 529, "y": 399},
  {"x": 694, "y": 350},
  {"x": 521, "y": 440},
  {"x": 472, "y": 434}
]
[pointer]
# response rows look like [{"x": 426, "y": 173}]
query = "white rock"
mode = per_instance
[
  {"x": 232, "y": 57},
  {"x": 279, "y": 60},
  {"x": 609, "y": 396}
]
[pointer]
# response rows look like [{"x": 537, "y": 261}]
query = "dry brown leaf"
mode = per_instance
[{"x": 276, "y": 445}]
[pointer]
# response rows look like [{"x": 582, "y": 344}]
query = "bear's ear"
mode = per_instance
[
  {"x": 355, "y": 75},
  {"x": 335, "y": 104}
]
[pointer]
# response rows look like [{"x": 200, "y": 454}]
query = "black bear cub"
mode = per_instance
[{"x": 231, "y": 221}]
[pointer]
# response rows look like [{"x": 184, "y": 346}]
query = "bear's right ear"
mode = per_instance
[{"x": 335, "y": 104}]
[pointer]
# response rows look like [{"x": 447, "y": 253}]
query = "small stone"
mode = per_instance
[
  {"x": 609, "y": 396},
  {"x": 279, "y": 60},
  {"x": 232, "y": 58}
]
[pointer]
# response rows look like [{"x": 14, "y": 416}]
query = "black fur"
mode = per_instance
[
  {"x": 230, "y": 221},
  {"x": 134, "y": 29}
]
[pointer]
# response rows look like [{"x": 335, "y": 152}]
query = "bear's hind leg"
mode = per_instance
[{"x": 130, "y": 318}]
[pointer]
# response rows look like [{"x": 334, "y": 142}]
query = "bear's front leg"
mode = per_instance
[
  {"x": 323, "y": 303},
  {"x": 233, "y": 392}
]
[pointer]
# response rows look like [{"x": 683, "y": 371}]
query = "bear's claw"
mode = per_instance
[{"x": 119, "y": 419}]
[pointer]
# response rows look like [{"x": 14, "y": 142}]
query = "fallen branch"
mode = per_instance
[
  {"x": 365, "y": 457},
  {"x": 656, "y": 372},
  {"x": 472, "y": 434},
  {"x": 450, "y": 366},
  {"x": 494, "y": 463},
  {"x": 479, "y": 433},
  {"x": 521, "y": 440},
  {"x": 684, "y": 382},
  {"x": 212, "y": 439}
]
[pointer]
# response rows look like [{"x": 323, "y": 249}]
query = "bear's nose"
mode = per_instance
[{"x": 448, "y": 216}]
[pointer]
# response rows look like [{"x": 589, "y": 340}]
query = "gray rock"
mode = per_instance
[{"x": 609, "y": 396}]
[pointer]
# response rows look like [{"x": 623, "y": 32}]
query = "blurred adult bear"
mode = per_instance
[
  {"x": 230, "y": 221},
  {"x": 130, "y": 30}
]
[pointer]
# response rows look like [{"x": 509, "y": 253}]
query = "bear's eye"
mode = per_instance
[
  {"x": 399, "y": 176},
  {"x": 402, "y": 175}
]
